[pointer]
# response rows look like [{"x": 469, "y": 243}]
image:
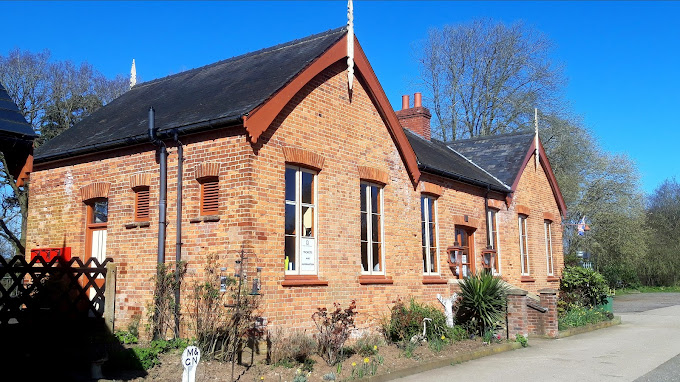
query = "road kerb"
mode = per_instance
[{"x": 589, "y": 328}]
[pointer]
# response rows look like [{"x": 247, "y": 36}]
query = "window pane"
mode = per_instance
[
  {"x": 364, "y": 227},
  {"x": 423, "y": 206},
  {"x": 424, "y": 259},
  {"x": 430, "y": 210},
  {"x": 364, "y": 256},
  {"x": 424, "y": 234},
  {"x": 433, "y": 237},
  {"x": 307, "y": 188},
  {"x": 363, "y": 197},
  {"x": 433, "y": 260},
  {"x": 375, "y": 228},
  {"x": 376, "y": 257},
  {"x": 290, "y": 184},
  {"x": 308, "y": 221},
  {"x": 290, "y": 253},
  {"x": 290, "y": 219},
  {"x": 375, "y": 199},
  {"x": 100, "y": 211}
]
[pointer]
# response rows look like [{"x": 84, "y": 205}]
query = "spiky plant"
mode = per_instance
[{"x": 482, "y": 302}]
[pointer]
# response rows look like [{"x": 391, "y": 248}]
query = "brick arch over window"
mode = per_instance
[
  {"x": 466, "y": 221},
  {"x": 140, "y": 180},
  {"x": 372, "y": 174},
  {"x": 431, "y": 189},
  {"x": 207, "y": 170},
  {"x": 95, "y": 190},
  {"x": 306, "y": 158}
]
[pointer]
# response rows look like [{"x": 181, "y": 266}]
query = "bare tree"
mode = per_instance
[
  {"x": 486, "y": 78},
  {"x": 52, "y": 97}
]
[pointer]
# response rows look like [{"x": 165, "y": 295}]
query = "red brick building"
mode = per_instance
[{"x": 321, "y": 186}]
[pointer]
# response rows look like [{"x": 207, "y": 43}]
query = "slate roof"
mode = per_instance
[
  {"x": 201, "y": 98},
  {"x": 12, "y": 122},
  {"x": 436, "y": 158},
  {"x": 501, "y": 155}
]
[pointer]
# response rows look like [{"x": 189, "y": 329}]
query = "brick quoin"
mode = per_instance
[{"x": 348, "y": 135}]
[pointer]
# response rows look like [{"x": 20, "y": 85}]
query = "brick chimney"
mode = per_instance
[{"x": 417, "y": 118}]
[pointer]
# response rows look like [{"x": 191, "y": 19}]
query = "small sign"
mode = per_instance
[
  {"x": 307, "y": 254},
  {"x": 190, "y": 358}
]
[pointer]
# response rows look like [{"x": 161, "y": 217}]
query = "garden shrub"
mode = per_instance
[
  {"x": 583, "y": 287},
  {"x": 369, "y": 344},
  {"x": 406, "y": 321},
  {"x": 333, "y": 330},
  {"x": 580, "y": 316},
  {"x": 295, "y": 347},
  {"x": 482, "y": 303}
]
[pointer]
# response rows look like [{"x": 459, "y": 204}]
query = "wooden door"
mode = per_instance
[{"x": 465, "y": 240}]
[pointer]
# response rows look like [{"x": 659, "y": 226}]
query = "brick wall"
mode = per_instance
[{"x": 320, "y": 119}]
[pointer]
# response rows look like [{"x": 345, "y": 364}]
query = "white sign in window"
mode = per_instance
[{"x": 307, "y": 255}]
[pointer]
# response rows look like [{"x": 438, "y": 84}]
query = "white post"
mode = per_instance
[
  {"x": 190, "y": 358},
  {"x": 448, "y": 308}
]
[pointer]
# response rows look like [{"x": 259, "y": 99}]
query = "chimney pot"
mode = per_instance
[
  {"x": 418, "y": 100},
  {"x": 405, "y": 102}
]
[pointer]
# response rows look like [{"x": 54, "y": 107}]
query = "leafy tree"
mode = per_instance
[
  {"x": 662, "y": 265},
  {"x": 52, "y": 96},
  {"x": 486, "y": 78}
]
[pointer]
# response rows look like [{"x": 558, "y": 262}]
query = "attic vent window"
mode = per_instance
[
  {"x": 210, "y": 195},
  {"x": 142, "y": 203}
]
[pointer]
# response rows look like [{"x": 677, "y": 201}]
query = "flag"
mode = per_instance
[{"x": 582, "y": 227}]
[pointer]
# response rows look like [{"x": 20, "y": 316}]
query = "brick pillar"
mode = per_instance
[
  {"x": 417, "y": 118},
  {"x": 517, "y": 313},
  {"x": 549, "y": 301}
]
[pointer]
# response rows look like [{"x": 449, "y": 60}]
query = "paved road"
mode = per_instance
[{"x": 645, "y": 347}]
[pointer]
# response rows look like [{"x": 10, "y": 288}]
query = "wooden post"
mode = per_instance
[{"x": 110, "y": 296}]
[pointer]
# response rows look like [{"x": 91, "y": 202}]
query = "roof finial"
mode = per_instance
[
  {"x": 350, "y": 43},
  {"x": 133, "y": 74},
  {"x": 536, "y": 137}
]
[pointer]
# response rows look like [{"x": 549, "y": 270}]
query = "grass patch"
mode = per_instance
[
  {"x": 648, "y": 289},
  {"x": 581, "y": 316}
]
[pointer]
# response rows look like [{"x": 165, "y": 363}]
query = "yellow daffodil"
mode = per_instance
[
  {"x": 375, "y": 347},
  {"x": 443, "y": 337},
  {"x": 354, "y": 364},
  {"x": 366, "y": 360}
]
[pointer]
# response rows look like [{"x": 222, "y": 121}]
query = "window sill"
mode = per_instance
[
  {"x": 306, "y": 280},
  {"x": 429, "y": 280},
  {"x": 137, "y": 225},
  {"x": 553, "y": 278},
  {"x": 527, "y": 279},
  {"x": 375, "y": 279},
  {"x": 205, "y": 219}
]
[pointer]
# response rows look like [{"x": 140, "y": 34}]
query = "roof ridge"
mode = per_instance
[
  {"x": 494, "y": 136},
  {"x": 479, "y": 167},
  {"x": 247, "y": 54}
]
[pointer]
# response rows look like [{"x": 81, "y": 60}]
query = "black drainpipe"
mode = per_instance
[
  {"x": 163, "y": 191},
  {"x": 178, "y": 244}
]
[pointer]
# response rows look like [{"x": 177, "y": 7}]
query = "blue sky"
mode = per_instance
[{"x": 621, "y": 58}]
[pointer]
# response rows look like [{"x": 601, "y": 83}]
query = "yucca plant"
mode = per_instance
[{"x": 482, "y": 302}]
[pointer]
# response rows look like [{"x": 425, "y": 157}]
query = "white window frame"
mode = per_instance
[
  {"x": 548, "y": 247},
  {"x": 369, "y": 227},
  {"x": 428, "y": 241},
  {"x": 525, "y": 270},
  {"x": 497, "y": 271},
  {"x": 298, "y": 219}
]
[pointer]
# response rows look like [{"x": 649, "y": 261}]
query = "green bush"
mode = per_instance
[
  {"x": 620, "y": 276},
  {"x": 522, "y": 340},
  {"x": 406, "y": 321},
  {"x": 482, "y": 304},
  {"x": 368, "y": 345},
  {"x": 126, "y": 337},
  {"x": 583, "y": 287},
  {"x": 287, "y": 350},
  {"x": 580, "y": 316}
]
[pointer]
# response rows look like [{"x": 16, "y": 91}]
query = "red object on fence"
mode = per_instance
[{"x": 50, "y": 253}]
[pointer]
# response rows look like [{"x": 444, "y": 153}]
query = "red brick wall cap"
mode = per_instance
[
  {"x": 547, "y": 291},
  {"x": 516, "y": 292}
]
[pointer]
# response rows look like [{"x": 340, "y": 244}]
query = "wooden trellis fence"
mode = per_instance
[{"x": 66, "y": 289}]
